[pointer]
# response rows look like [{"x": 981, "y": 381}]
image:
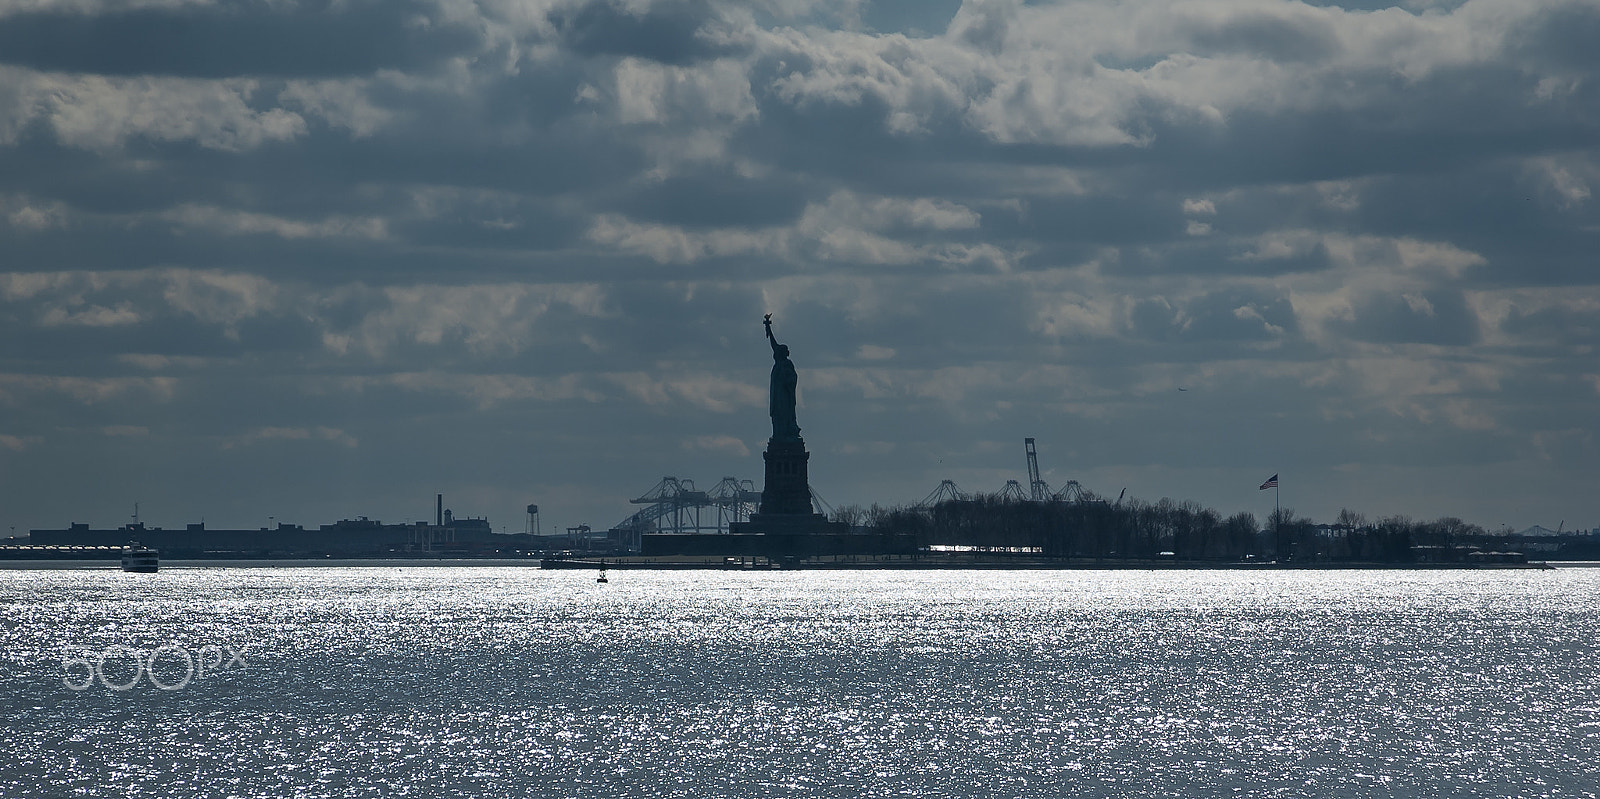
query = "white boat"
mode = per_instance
[
  {"x": 602, "y": 577},
  {"x": 143, "y": 560}
]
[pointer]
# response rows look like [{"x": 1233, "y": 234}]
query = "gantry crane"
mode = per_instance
[{"x": 1037, "y": 487}]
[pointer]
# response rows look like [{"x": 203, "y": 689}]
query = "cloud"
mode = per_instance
[
  {"x": 217, "y": 297},
  {"x": 27, "y": 214},
  {"x": 100, "y": 113},
  {"x": 238, "y": 223},
  {"x": 344, "y": 104},
  {"x": 18, "y": 443},
  {"x": 651, "y": 93},
  {"x": 205, "y": 39},
  {"x": 725, "y": 444},
  {"x": 708, "y": 392},
  {"x": 488, "y": 390},
  {"x": 843, "y": 228},
  {"x": 92, "y": 316},
  {"x": 156, "y": 362},
  {"x": 677, "y": 33},
  {"x": 86, "y": 7},
  {"x": 1361, "y": 236},
  {"x": 312, "y": 434},
  {"x": 483, "y": 319},
  {"x": 22, "y": 388}
]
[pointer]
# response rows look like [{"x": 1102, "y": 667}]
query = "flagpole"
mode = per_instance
[
  {"x": 1277, "y": 520},
  {"x": 1277, "y": 511}
]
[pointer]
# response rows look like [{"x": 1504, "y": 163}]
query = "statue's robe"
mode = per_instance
[{"x": 781, "y": 400}]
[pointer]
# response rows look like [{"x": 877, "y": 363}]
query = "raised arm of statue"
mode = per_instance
[{"x": 771, "y": 339}]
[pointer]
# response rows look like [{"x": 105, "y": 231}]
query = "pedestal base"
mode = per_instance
[
  {"x": 789, "y": 524},
  {"x": 786, "y": 498},
  {"x": 787, "y": 491}
]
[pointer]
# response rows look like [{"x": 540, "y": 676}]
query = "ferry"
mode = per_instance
[{"x": 143, "y": 560}]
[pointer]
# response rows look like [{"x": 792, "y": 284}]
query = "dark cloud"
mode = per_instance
[
  {"x": 176, "y": 337},
  {"x": 521, "y": 227},
  {"x": 1240, "y": 316},
  {"x": 668, "y": 32},
  {"x": 1154, "y": 318},
  {"x": 1274, "y": 37},
  {"x": 910, "y": 17},
  {"x": 1554, "y": 330},
  {"x": 1220, "y": 256},
  {"x": 1498, "y": 210},
  {"x": 716, "y": 200},
  {"x": 839, "y": 140},
  {"x": 555, "y": 162},
  {"x": 235, "y": 40},
  {"x": 1563, "y": 37},
  {"x": 1099, "y": 219},
  {"x": 1430, "y": 317}
]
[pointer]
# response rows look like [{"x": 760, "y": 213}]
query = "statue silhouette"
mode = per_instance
[{"x": 781, "y": 396}]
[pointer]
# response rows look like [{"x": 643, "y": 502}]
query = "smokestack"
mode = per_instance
[{"x": 438, "y": 512}]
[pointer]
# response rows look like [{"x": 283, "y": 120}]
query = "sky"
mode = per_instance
[{"x": 294, "y": 261}]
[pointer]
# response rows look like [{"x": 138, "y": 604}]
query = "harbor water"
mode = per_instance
[{"x": 400, "y": 680}]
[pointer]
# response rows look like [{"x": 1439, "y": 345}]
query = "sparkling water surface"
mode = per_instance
[{"x": 479, "y": 681}]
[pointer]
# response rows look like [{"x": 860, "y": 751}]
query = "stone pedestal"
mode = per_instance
[
  {"x": 787, "y": 491},
  {"x": 786, "y": 496}
]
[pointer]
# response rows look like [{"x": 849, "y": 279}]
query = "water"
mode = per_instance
[{"x": 385, "y": 681}]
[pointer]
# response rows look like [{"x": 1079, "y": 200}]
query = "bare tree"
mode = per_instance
[{"x": 853, "y": 515}]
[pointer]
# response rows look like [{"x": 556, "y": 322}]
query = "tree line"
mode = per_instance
[{"x": 1139, "y": 530}]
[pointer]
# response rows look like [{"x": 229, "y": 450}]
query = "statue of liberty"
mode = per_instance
[{"x": 781, "y": 397}]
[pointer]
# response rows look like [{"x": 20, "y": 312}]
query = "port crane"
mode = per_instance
[
  {"x": 946, "y": 492},
  {"x": 1012, "y": 492},
  {"x": 1038, "y": 489},
  {"x": 674, "y": 505}
]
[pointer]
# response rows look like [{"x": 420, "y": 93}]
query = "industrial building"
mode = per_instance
[{"x": 359, "y": 537}]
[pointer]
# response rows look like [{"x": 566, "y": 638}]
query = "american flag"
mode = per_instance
[{"x": 1272, "y": 482}]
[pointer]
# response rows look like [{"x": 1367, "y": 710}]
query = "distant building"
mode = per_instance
[{"x": 360, "y": 537}]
